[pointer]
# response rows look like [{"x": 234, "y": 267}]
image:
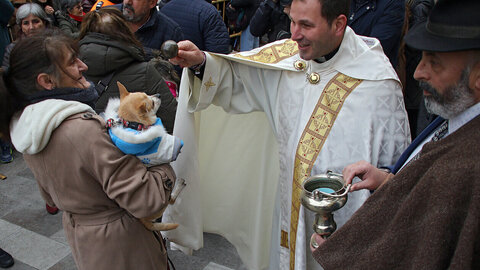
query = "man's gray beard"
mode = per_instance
[
  {"x": 130, "y": 16},
  {"x": 455, "y": 100}
]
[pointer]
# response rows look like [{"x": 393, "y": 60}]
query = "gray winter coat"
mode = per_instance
[{"x": 68, "y": 25}]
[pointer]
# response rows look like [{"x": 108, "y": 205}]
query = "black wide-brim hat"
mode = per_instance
[{"x": 453, "y": 25}]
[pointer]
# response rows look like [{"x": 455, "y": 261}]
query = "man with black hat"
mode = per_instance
[{"x": 427, "y": 215}]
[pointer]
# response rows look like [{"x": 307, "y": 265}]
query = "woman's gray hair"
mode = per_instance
[
  {"x": 32, "y": 8},
  {"x": 66, "y": 5}
]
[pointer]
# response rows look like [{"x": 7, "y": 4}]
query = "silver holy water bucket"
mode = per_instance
[{"x": 323, "y": 194}]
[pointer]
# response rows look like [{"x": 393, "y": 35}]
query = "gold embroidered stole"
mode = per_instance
[
  {"x": 310, "y": 144},
  {"x": 273, "y": 54}
]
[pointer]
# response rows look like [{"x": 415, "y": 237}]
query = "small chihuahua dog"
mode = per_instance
[
  {"x": 135, "y": 129},
  {"x": 138, "y": 107}
]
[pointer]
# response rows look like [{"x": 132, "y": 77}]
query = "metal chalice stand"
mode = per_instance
[{"x": 324, "y": 194}]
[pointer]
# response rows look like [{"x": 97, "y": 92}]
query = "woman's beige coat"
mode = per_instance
[{"x": 102, "y": 193}]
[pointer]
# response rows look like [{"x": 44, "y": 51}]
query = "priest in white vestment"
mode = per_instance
[{"x": 280, "y": 116}]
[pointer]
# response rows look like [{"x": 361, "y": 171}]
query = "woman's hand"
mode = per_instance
[
  {"x": 371, "y": 177},
  {"x": 188, "y": 55}
]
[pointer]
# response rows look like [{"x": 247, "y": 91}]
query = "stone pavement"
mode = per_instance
[{"x": 36, "y": 239}]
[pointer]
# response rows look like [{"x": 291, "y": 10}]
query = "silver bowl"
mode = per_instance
[{"x": 324, "y": 194}]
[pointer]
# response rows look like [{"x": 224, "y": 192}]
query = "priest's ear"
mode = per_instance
[
  {"x": 339, "y": 24},
  {"x": 45, "y": 81}
]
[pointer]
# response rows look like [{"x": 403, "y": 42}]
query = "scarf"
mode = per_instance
[
  {"x": 77, "y": 18},
  {"x": 87, "y": 96}
]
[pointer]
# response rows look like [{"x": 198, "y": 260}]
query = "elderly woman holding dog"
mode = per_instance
[
  {"x": 112, "y": 53},
  {"x": 102, "y": 192}
]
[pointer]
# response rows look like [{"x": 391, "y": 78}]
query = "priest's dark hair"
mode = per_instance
[{"x": 331, "y": 9}]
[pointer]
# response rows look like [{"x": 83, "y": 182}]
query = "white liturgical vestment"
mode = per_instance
[{"x": 239, "y": 165}]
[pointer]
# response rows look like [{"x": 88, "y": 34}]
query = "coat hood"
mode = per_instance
[
  {"x": 32, "y": 128},
  {"x": 103, "y": 54}
]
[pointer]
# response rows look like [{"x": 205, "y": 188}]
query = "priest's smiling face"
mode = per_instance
[{"x": 312, "y": 32}]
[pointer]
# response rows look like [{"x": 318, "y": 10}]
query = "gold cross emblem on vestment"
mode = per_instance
[{"x": 209, "y": 84}]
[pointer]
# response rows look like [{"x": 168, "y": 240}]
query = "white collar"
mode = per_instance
[
  {"x": 463, "y": 118},
  {"x": 355, "y": 54}
]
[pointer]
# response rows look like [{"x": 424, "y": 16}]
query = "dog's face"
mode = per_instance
[{"x": 138, "y": 106}]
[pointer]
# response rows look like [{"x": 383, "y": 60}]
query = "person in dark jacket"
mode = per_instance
[
  {"x": 381, "y": 19},
  {"x": 271, "y": 20},
  {"x": 247, "y": 40},
  {"x": 201, "y": 23},
  {"x": 112, "y": 53},
  {"x": 151, "y": 27}
]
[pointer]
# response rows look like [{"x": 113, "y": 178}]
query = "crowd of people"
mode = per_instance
[{"x": 340, "y": 85}]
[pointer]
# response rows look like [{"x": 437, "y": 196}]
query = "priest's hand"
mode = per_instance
[
  {"x": 188, "y": 55},
  {"x": 372, "y": 177},
  {"x": 315, "y": 241}
]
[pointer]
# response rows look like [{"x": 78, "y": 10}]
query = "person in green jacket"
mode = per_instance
[{"x": 112, "y": 53}]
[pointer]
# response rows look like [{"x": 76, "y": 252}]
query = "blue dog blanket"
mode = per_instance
[{"x": 152, "y": 146}]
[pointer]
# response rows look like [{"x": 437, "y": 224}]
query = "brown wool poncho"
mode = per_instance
[{"x": 426, "y": 217}]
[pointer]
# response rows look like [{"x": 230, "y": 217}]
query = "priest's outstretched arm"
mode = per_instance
[{"x": 188, "y": 55}]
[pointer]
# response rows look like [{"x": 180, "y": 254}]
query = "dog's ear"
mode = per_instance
[
  {"x": 142, "y": 108},
  {"x": 122, "y": 90}
]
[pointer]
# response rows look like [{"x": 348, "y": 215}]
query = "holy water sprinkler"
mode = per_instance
[{"x": 324, "y": 194}]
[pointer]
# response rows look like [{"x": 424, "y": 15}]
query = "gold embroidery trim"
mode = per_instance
[
  {"x": 284, "y": 239},
  {"x": 273, "y": 54},
  {"x": 312, "y": 140}
]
